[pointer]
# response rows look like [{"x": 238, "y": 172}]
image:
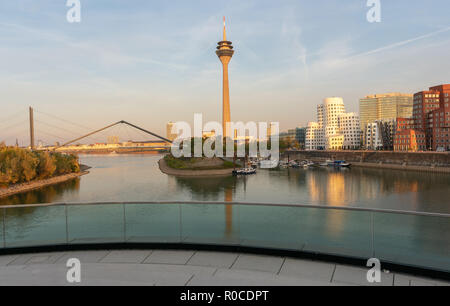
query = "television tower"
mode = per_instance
[{"x": 225, "y": 52}]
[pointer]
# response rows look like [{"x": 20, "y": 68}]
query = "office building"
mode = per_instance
[
  {"x": 432, "y": 115},
  {"x": 409, "y": 141},
  {"x": 384, "y": 106},
  {"x": 350, "y": 126}
]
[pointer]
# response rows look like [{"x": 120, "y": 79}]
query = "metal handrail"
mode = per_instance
[{"x": 377, "y": 210}]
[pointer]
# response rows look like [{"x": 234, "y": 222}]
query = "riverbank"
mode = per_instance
[
  {"x": 192, "y": 173},
  {"x": 25, "y": 187},
  {"x": 403, "y": 167},
  {"x": 412, "y": 161}
]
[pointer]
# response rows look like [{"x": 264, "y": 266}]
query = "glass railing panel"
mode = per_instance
[
  {"x": 419, "y": 241},
  {"x": 102, "y": 223},
  {"x": 210, "y": 224},
  {"x": 152, "y": 223},
  {"x": 35, "y": 226},
  {"x": 338, "y": 232},
  {"x": 307, "y": 229},
  {"x": 276, "y": 227}
]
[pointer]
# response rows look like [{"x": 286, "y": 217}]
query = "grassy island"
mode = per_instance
[
  {"x": 197, "y": 163},
  {"x": 19, "y": 165}
]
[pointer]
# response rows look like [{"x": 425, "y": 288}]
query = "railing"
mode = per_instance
[{"x": 415, "y": 239}]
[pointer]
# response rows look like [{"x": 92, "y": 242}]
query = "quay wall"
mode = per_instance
[{"x": 420, "y": 161}]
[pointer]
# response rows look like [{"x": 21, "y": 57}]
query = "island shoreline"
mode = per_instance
[
  {"x": 26, "y": 187},
  {"x": 164, "y": 168}
]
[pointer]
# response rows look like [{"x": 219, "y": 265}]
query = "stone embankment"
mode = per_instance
[{"x": 415, "y": 161}]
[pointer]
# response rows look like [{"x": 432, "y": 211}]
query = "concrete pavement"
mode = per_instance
[{"x": 188, "y": 268}]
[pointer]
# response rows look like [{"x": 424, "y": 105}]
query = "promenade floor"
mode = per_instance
[{"x": 188, "y": 268}]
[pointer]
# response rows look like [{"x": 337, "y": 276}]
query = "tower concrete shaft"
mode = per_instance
[{"x": 225, "y": 52}]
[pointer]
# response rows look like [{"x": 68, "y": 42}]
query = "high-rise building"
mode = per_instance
[
  {"x": 432, "y": 115},
  {"x": 379, "y": 135},
  {"x": 333, "y": 108},
  {"x": 349, "y": 125},
  {"x": 169, "y": 135},
  {"x": 300, "y": 136},
  {"x": 328, "y": 133},
  {"x": 383, "y": 107},
  {"x": 313, "y": 138},
  {"x": 409, "y": 140},
  {"x": 373, "y": 139},
  {"x": 225, "y": 52}
]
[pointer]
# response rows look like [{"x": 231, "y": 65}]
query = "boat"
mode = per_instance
[
  {"x": 308, "y": 164},
  {"x": 294, "y": 164},
  {"x": 254, "y": 163},
  {"x": 341, "y": 163},
  {"x": 283, "y": 164},
  {"x": 244, "y": 171}
]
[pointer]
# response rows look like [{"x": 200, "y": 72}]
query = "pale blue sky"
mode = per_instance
[{"x": 150, "y": 62}]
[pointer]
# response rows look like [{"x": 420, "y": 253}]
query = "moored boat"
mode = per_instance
[{"x": 244, "y": 171}]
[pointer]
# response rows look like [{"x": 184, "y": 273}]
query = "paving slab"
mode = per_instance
[
  {"x": 84, "y": 256},
  {"x": 6, "y": 259},
  {"x": 258, "y": 263},
  {"x": 133, "y": 274},
  {"x": 126, "y": 256},
  {"x": 213, "y": 259},
  {"x": 169, "y": 257},
  {"x": 309, "y": 269},
  {"x": 358, "y": 276},
  {"x": 418, "y": 281},
  {"x": 227, "y": 277},
  {"x": 38, "y": 258},
  {"x": 401, "y": 280}
]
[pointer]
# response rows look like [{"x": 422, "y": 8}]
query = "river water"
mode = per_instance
[{"x": 137, "y": 178}]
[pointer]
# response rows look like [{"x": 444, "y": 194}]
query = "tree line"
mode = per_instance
[{"x": 19, "y": 165}]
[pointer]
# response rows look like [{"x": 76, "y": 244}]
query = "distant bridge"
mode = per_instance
[
  {"x": 16, "y": 125},
  {"x": 110, "y": 126}
]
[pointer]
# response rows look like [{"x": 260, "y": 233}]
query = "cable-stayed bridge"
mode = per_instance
[{"x": 43, "y": 131}]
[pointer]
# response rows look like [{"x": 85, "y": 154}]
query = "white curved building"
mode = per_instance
[{"x": 334, "y": 129}]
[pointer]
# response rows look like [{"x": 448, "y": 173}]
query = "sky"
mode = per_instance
[{"x": 150, "y": 62}]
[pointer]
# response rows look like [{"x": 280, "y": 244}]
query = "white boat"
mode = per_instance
[
  {"x": 244, "y": 171},
  {"x": 308, "y": 164}
]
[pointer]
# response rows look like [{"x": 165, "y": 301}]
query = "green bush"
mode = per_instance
[{"x": 20, "y": 165}]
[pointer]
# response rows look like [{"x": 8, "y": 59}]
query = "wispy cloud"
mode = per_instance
[{"x": 400, "y": 43}]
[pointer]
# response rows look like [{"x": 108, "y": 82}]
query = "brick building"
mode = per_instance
[
  {"x": 409, "y": 141},
  {"x": 431, "y": 113}
]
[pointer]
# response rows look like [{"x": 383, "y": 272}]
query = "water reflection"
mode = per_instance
[
  {"x": 129, "y": 178},
  {"x": 48, "y": 194},
  {"x": 210, "y": 189}
]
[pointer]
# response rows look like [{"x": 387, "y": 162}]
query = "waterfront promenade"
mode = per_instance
[{"x": 189, "y": 268}]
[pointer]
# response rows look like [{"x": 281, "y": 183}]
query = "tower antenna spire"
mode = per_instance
[{"x": 224, "y": 30}]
